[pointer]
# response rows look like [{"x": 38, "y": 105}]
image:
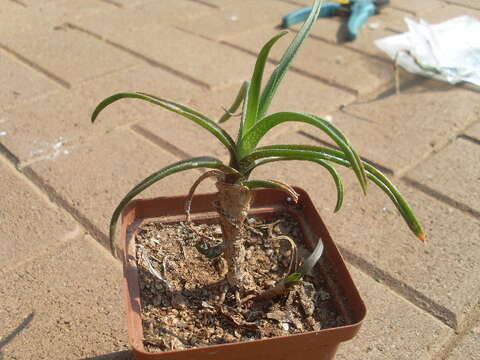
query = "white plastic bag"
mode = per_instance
[{"x": 449, "y": 51}]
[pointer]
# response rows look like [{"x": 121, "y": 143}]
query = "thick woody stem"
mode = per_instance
[{"x": 233, "y": 203}]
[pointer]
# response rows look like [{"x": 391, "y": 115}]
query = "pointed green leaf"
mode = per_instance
[
  {"x": 253, "y": 94},
  {"x": 338, "y": 182},
  {"x": 192, "y": 163},
  {"x": 244, "y": 112},
  {"x": 180, "y": 109},
  {"x": 267, "y": 154},
  {"x": 252, "y": 137},
  {"x": 236, "y": 103},
  {"x": 400, "y": 203},
  {"x": 286, "y": 60}
]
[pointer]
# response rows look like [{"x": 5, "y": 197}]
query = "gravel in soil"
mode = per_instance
[{"x": 187, "y": 303}]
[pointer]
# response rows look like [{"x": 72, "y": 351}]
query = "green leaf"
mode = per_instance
[
  {"x": 279, "y": 72},
  {"x": 211, "y": 252},
  {"x": 333, "y": 172},
  {"x": 236, "y": 103},
  {"x": 180, "y": 109},
  {"x": 293, "y": 277},
  {"x": 267, "y": 154},
  {"x": 244, "y": 112},
  {"x": 255, "y": 134},
  {"x": 253, "y": 94},
  {"x": 253, "y": 184},
  {"x": 187, "y": 164},
  {"x": 400, "y": 203}
]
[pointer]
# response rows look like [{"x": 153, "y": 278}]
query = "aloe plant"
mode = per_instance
[{"x": 233, "y": 179}]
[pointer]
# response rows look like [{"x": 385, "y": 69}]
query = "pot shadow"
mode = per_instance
[
  {"x": 120, "y": 355},
  {"x": 22, "y": 326}
]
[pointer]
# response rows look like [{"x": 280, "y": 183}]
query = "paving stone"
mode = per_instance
[
  {"x": 106, "y": 169},
  {"x": 469, "y": 347},
  {"x": 394, "y": 328},
  {"x": 21, "y": 83},
  {"x": 474, "y": 131},
  {"x": 58, "y": 12},
  {"x": 177, "y": 11},
  {"x": 31, "y": 225},
  {"x": 61, "y": 10},
  {"x": 444, "y": 173},
  {"x": 446, "y": 12},
  {"x": 416, "y": 7},
  {"x": 33, "y": 3},
  {"x": 43, "y": 128},
  {"x": 68, "y": 54},
  {"x": 45, "y": 15},
  {"x": 440, "y": 276},
  {"x": 398, "y": 131},
  {"x": 10, "y": 8},
  {"x": 237, "y": 18},
  {"x": 468, "y": 3},
  {"x": 128, "y": 4},
  {"x": 68, "y": 305},
  {"x": 437, "y": 15},
  {"x": 218, "y": 3},
  {"x": 141, "y": 15},
  {"x": 333, "y": 64},
  {"x": 217, "y": 64}
]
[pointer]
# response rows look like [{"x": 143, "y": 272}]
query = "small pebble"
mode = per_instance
[
  {"x": 180, "y": 324},
  {"x": 229, "y": 338},
  {"x": 286, "y": 326}
]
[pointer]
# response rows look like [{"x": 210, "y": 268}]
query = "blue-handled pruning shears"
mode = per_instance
[{"x": 358, "y": 12}]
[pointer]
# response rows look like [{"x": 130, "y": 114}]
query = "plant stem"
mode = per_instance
[{"x": 233, "y": 203}]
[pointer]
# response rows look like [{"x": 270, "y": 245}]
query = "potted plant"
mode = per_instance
[{"x": 240, "y": 304}]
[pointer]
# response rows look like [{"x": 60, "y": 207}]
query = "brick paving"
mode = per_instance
[{"x": 61, "y": 176}]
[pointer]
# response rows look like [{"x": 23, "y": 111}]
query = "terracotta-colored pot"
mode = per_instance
[{"x": 318, "y": 345}]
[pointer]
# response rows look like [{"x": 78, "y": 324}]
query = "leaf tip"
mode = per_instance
[{"x": 422, "y": 237}]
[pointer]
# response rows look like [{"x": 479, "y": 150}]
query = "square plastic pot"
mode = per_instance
[{"x": 318, "y": 345}]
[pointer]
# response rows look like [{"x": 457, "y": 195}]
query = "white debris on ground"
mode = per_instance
[{"x": 448, "y": 51}]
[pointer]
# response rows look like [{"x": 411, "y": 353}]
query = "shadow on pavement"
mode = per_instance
[
  {"x": 15, "y": 332},
  {"x": 120, "y": 355}
]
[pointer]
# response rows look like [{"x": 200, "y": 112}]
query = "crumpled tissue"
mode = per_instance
[{"x": 448, "y": 51}]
